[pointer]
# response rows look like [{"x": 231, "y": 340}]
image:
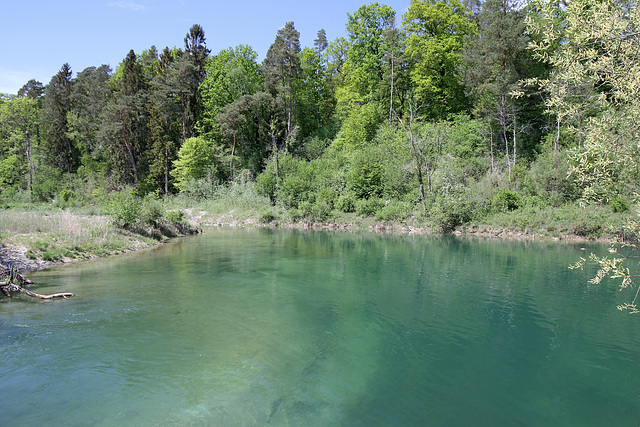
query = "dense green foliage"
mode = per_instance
[{"x": 455, "y": 116}]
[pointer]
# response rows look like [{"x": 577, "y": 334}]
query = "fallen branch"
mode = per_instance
[
  {"x": 6, "y": 288},
  {"x": 13, "y": 277}
]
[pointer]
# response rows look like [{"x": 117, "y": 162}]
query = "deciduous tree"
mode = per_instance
[
  {"x": 435, "y": 30},
  {"x": 593, "y": 48}
]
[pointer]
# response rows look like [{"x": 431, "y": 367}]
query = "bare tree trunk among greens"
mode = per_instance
[{"x": 426, "y": 140}]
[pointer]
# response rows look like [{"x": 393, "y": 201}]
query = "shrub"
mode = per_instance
[
  {"x": 394, "y": 210},
  {"x": 123, "y": 206},
  {"x": 619, "y": 204},
  {"x": 10, "y": 171},
  {"x": 346, "y": 203},
  {"x": 46, "y": 182},
  {"x": 449, "y": 212},
  {"x": 506, "y": 200},
  {"x": 266, "y": 185},
  {"x": 365, "y": 179},
  {"x": 320, "y": 211},
  {"x": 296, "y": 183},
  {"x": 194, "y": 161},
  {"x": 198, "y": 189},
  {"x": 240, "y": 193},
  {"x": 314, "y": 147},
  {"x": 266, "y": 215},
  {"x": 547, "y": 178},
  {"x": 152, "y": 210},
  {"x": 369, "y": 207},
  {"x": 305, "y": 209},
  {"x": 175, "y": 217},
  {"x": 327, "y": 195},
  {"x": 66, "y": 195}
]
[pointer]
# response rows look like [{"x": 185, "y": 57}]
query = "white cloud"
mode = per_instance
[{"x": 127, "y": 5}]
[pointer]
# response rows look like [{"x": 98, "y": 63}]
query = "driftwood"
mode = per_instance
[
  {"x": 14, "y": 280},
  {"x": 7, "y": 288}
]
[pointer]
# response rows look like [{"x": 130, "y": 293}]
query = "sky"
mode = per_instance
[{"x": 38, "y": 37}]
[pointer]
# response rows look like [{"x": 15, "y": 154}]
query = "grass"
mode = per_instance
[
  {"x": 237, "y": 203},
  {"x": 589, "y": 222},
  {"x": 57, "y": 235}
]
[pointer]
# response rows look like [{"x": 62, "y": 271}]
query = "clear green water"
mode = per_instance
[{"x": 296, "y": 328}]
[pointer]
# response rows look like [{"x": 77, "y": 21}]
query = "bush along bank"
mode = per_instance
[{"x": 35, "y": 236}]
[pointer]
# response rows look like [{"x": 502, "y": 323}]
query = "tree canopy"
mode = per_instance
[{"x": 451, "y": 112}]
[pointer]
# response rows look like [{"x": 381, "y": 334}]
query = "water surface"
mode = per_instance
[{"x": 255, "y": 327}]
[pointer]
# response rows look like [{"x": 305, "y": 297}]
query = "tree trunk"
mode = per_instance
[
  {"x": 391, "y": 96},
  {"x": 505, "y": 140},
  {"x": 491, "y": 145},
  {"x": 129, "y": 149},
  {"x": 233, "y": 151},
  {"x": 514, "y": 137}
]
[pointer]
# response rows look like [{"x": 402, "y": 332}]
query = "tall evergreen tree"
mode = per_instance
[
  {"x": 281, "y": 68},
  {"x": 193, "y": 74},
  {"x": 91, "y": 91},
  {"x": 165, "y": 124},
  {"x": 32, "y": 89},
  {"x": 60, "y": 150},
  {"x": 124, "y": 130},
  {"x": 321, "y": 44},
  {"x": 494, "y": 61}
]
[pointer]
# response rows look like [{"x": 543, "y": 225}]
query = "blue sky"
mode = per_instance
[{"x": 39, "y": 36}]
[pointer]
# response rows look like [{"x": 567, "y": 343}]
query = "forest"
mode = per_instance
[{"x": 449, "y": 115}]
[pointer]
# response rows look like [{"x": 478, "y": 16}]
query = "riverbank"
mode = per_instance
[{"x": 32, "y": 240}]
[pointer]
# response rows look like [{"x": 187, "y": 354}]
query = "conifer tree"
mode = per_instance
[
  {"x": 164, "y": 120},
  {"x": 494, "y": 61},
  {"x": 192, "y": 71},
  {"x": 124, "y": 130},
  {"x": 59, "y": 148},
  {"x": 281, "y": 68}
]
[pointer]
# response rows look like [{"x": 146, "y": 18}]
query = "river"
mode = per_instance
[{"x": 309, "y": 328}]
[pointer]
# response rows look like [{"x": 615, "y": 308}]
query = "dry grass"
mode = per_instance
[{"x": 54, "y": 236}]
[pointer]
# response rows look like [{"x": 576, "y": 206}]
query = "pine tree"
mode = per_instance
[
  {"x": 165, "y": 123},
  {"x": 493, "y": 64},
  {"x": 281, "y": 69},
  {"x": 90, "y": 93},
  {"x": 124, "y": 130},
  {"x": 192, "y": 72},
  {"x": 60, "y": 151}
]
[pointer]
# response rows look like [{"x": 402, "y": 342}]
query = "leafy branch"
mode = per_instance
[{"x": 615, "y": 267}]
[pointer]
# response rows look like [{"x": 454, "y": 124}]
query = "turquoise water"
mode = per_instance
[{"x": 256, "y": 327}]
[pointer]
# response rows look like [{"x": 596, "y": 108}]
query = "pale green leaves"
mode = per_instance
[{"x": 593, "y": 47}]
